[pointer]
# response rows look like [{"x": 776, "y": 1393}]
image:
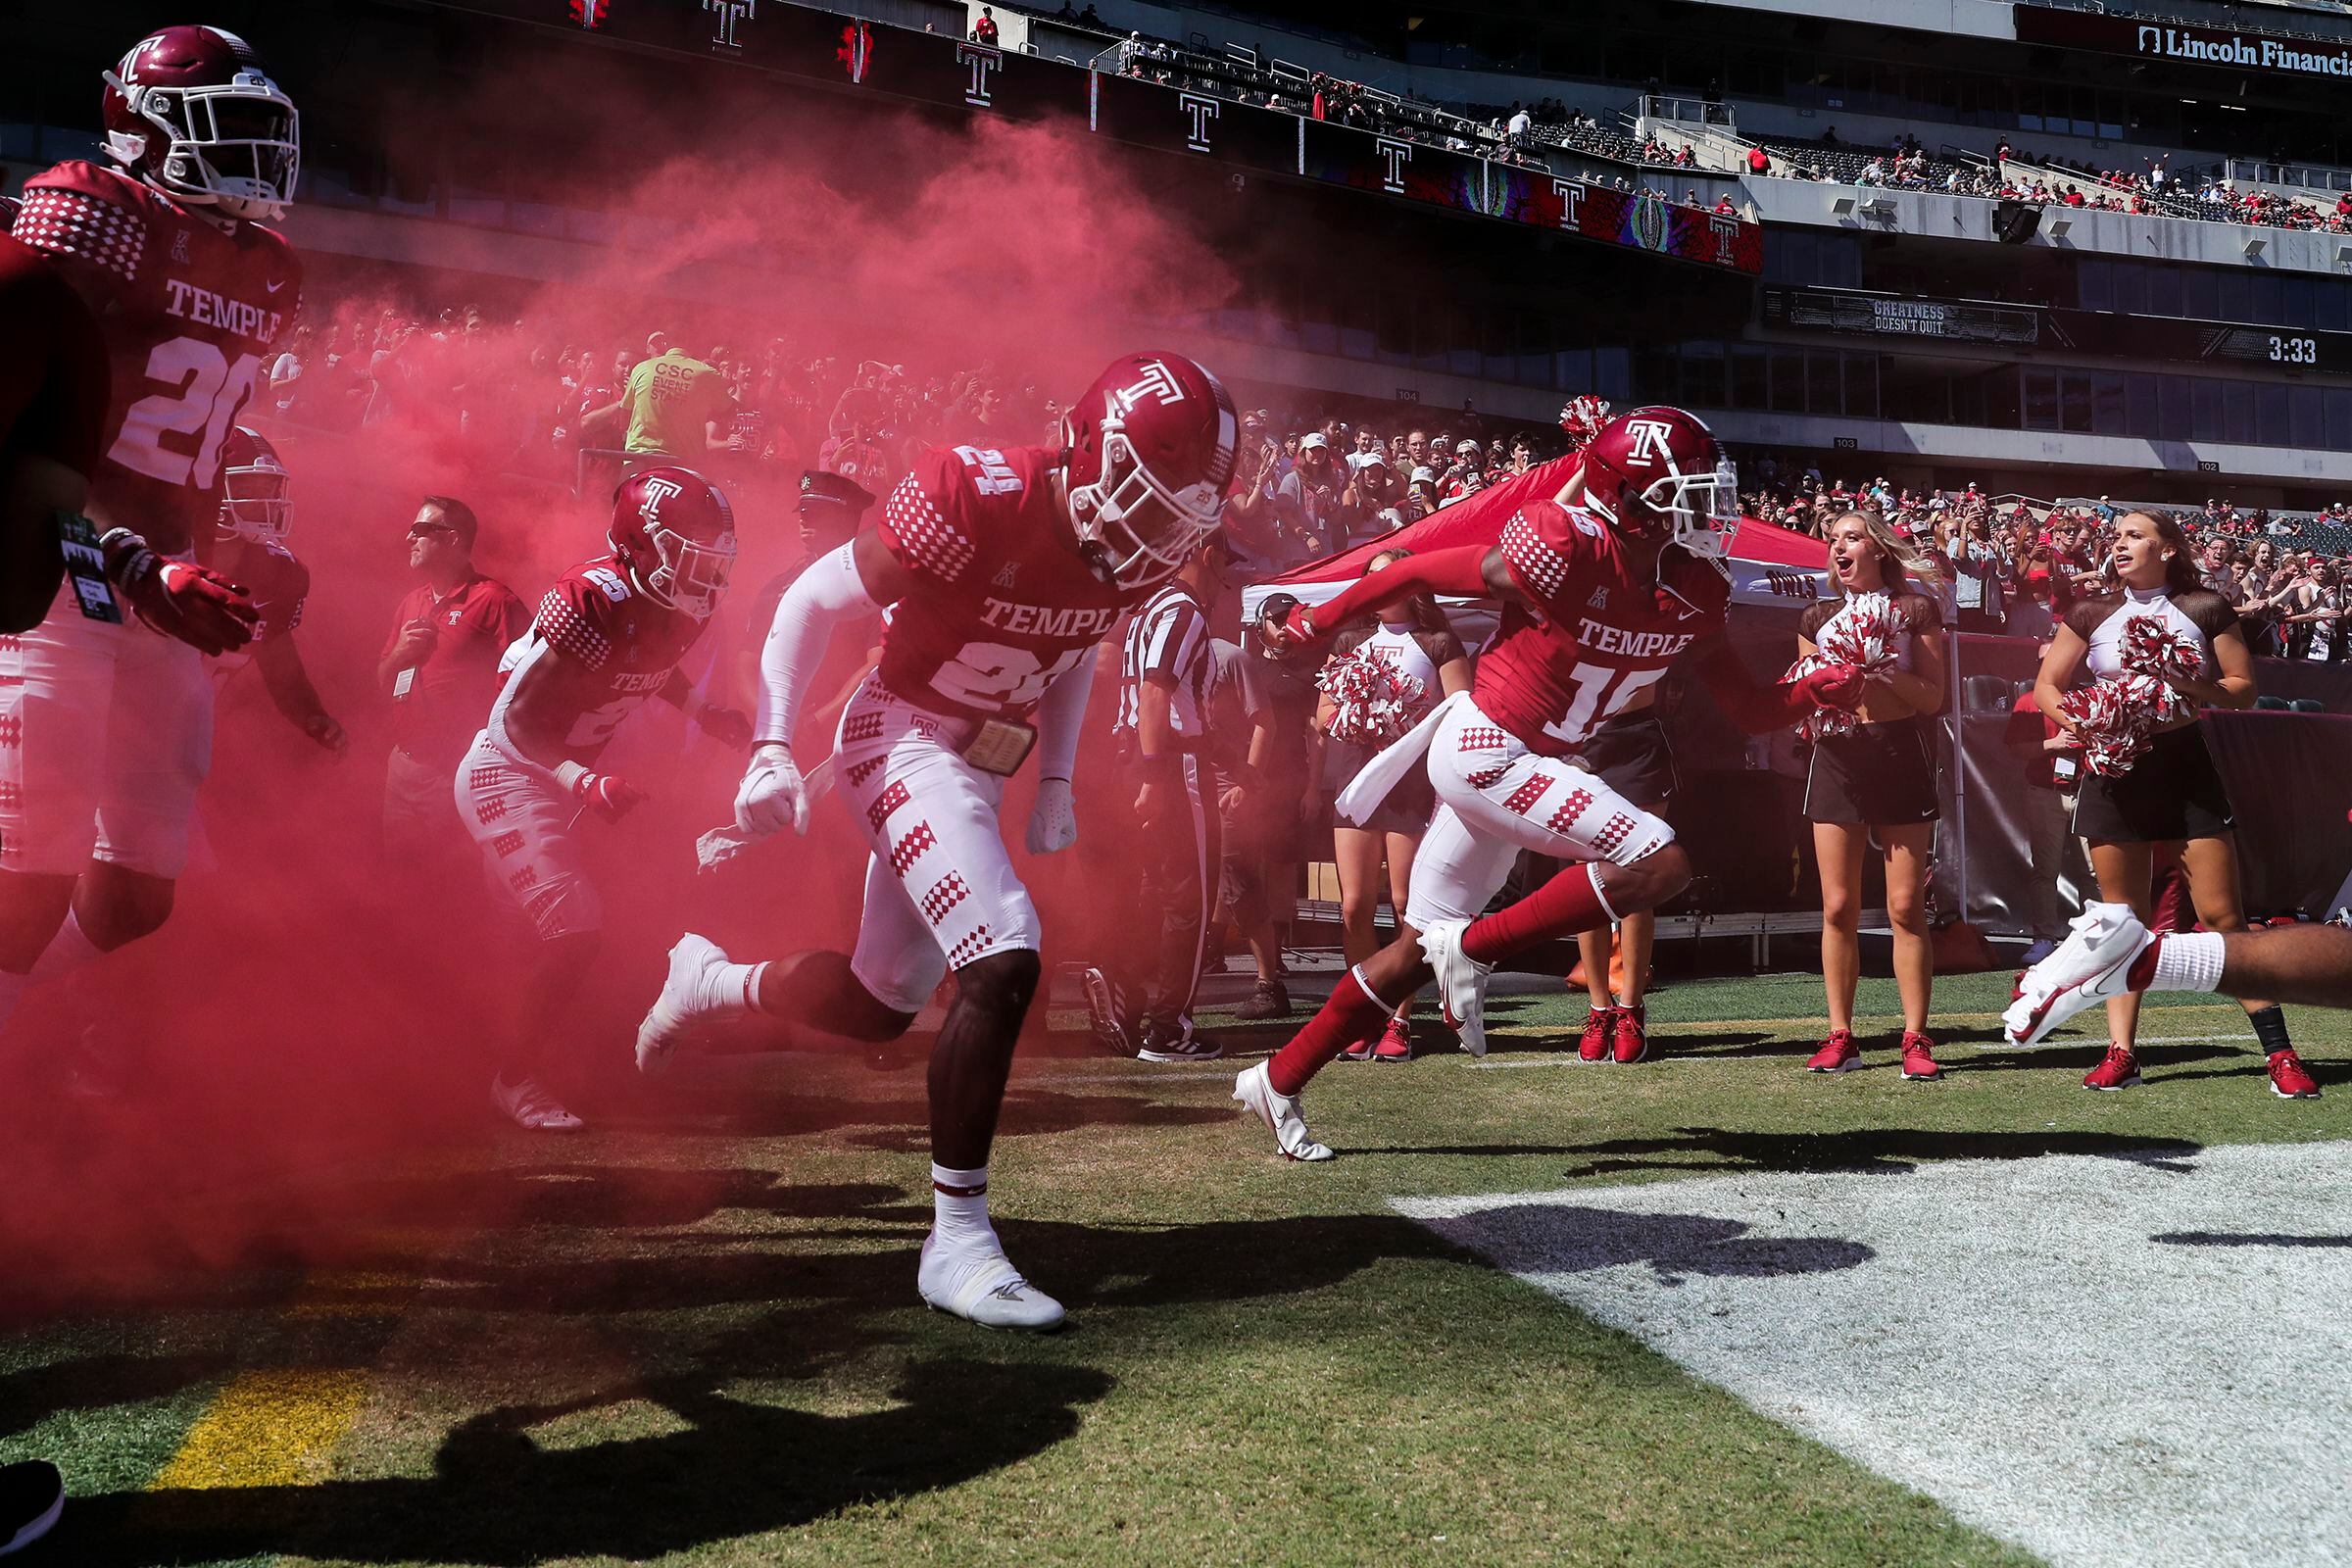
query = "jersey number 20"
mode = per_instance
[{"x": 206, "y": 391}]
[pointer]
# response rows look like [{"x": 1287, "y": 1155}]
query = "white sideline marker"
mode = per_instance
[{"x": 2103, "y": 1360}]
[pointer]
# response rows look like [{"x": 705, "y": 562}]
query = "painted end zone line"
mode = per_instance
[{"x": 1670, "y": 1060}]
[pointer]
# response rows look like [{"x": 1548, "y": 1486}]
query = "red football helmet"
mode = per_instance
[
  {"x": 674, "y": 534},
  {"x": 190, "y": 111},
  {"x": 1661, "y": 469},
  {"x": 1149, "y": 452},
  {"x": 256, "y": 491}
]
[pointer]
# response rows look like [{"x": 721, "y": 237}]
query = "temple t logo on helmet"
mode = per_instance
[
  {"x": 190, "y": 111},
  {"x": 1149, "y": 453},
  {"x": 1661, "y": 469},
  {"x": 674, "y": 534}
]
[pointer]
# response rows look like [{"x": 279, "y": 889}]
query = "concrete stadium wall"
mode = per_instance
[{"x": 1932, "y": 215}]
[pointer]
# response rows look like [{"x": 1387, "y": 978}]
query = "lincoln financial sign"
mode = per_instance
[{"x": 2205, "y": 46}]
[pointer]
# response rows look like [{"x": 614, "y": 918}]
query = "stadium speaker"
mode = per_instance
[{"x": 2015, "y": 223}]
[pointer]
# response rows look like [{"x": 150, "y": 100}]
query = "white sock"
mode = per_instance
[
  {"x": 735, "y": 989},
  {"x": 2189, "y": 962},
  {"x": 67, "y": 951},
  {"x": 959, "y": 1207}
]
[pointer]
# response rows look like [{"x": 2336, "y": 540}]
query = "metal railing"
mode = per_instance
[{"x": 2290, "y": 176}]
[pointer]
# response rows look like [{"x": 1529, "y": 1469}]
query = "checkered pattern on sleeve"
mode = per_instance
[
  {"x": 85, "y": 228},
  {"x": 570, "y": 633},
  {"x": 919, "y": 534},
  {"x": 1532, "y": 559}
]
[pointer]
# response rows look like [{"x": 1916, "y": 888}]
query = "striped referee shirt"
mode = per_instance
[{"x": 1168, "y": 638}]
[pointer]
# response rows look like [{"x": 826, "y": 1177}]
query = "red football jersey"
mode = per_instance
[
  {"x": 280, "y": 583},
  {"x": 614, "y": 648},
  {"x": 1002, "y": 605},
  {"x": 1608, "y": 626},
  {"x": 189, "y": 312}
]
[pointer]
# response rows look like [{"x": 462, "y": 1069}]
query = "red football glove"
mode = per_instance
[
  {"x": 200, "y": 608},
  {"x": 725, "y": 725},
  {"x": 1299, "y": 628},
  {"x": 1840, "y": 686},
  {"x": 608, "y": 795}
]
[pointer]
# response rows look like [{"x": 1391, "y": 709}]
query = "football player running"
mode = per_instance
[
  {"x": 609, "y": 635},
  {"x": 106, "y": 715},
  {"x": 249, "y": 545},
  {"x": 1601, "y": 590},
  {"x": 1002, "y": 571}
]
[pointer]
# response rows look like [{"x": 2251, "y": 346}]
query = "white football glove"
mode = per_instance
[
  {"x": 774, "y": 796},
  {"x": 1053, "y": 820}
]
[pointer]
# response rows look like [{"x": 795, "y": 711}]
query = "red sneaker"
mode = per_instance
[
  {"x": 1396, "y": 1041},
  {"x": 1919, "y": 1062},
  {"x": 1600, "y": 1025},
  {"x": 1633, "y": 1034},
  {"x": 1359, "y": 1050},
  {"x": 2117, "y": 1069},
  {"x": 1838, "y": 1053},
  {"x": 2289, "y": 1080}
]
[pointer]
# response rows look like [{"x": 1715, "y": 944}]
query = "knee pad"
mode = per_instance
[{"x": 1000, "y": 984}]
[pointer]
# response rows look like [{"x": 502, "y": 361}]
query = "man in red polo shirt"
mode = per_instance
[{"x": 440, "y": 667}]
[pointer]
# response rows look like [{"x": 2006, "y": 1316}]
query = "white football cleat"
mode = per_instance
[
  {"x": 688, "y": 1001},
  {"x": 1255, "y": 1089},
  {"x": 2093, "y": 964},
  {"x": 1461, "y": 982},
  {"x": 532, "y": 1107},
  {"x": 977, "y": 1281}
]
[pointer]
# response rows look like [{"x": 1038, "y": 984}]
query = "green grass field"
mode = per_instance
[{"x": 692, "y": 1335}]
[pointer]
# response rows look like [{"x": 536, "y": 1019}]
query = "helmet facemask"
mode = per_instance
[
  {"x": 1699, "y": 510},
  {"x": 236, "y": 146},
  {"x": 256, "y": 502},
  {"x": 1113, "y": 517},
  {"x": 692, "y": 575}
]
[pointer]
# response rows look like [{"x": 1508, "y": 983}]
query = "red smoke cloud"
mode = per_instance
[{"x": 297, "y": 1032}]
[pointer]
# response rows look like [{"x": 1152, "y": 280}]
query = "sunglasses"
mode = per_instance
[{"x": 427, "y": 530}]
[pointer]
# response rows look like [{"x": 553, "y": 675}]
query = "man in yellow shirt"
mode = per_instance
[{"x": 678, "y": 406}]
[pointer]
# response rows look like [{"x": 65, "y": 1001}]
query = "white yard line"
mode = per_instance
[{"x": 2106, "y": 1361}]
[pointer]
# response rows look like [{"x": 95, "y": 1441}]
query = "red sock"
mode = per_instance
[
  {"x": 1337, "y": 1024},
  {"x": 1566, "y": 905}
]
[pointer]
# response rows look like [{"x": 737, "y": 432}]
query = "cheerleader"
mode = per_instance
[
  {"x": 1411, "y": 640},
  {"x": 2151, "y": 779},
  {"x": 1873, "y": 778}
]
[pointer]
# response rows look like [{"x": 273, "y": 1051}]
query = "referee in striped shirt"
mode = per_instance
[{"x": 1142, "y": 1002}]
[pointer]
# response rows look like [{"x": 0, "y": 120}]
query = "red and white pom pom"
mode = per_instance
[
  {"x": 1370, "y": 702},
  {"x": 2161, "y": 652},
  {"x": 1861, "y": 634},
  {"x": 1822, "y": 722},
  {"x": 1582, "y": 418},
  {"x": 2115, "y": 719}
]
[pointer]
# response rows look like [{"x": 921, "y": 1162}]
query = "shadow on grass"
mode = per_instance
[
  {"x": 2082, "y": 1057},
  {"x": 507, "y": 1490},
  {"x": 1566, "y": 1238},
  {"x": 499, "y": 1496},
  {"x": 2248, "y": 1239},
  {"x": 901, "y": 1123},
  {"x": 1893, "y": 1150},
  {"x": 35, "y": 1393}
]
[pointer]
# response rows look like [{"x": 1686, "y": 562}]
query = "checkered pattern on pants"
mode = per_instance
[
  {"x": 940, "y": 887},
  {"x": 1496, "y": 797}
]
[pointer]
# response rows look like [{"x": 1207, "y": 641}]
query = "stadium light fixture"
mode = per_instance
[
  {"x": 2059, "y": 226},
  {"x": 2256, "y": 245},
  {"x": 1841, "y": 207}
]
